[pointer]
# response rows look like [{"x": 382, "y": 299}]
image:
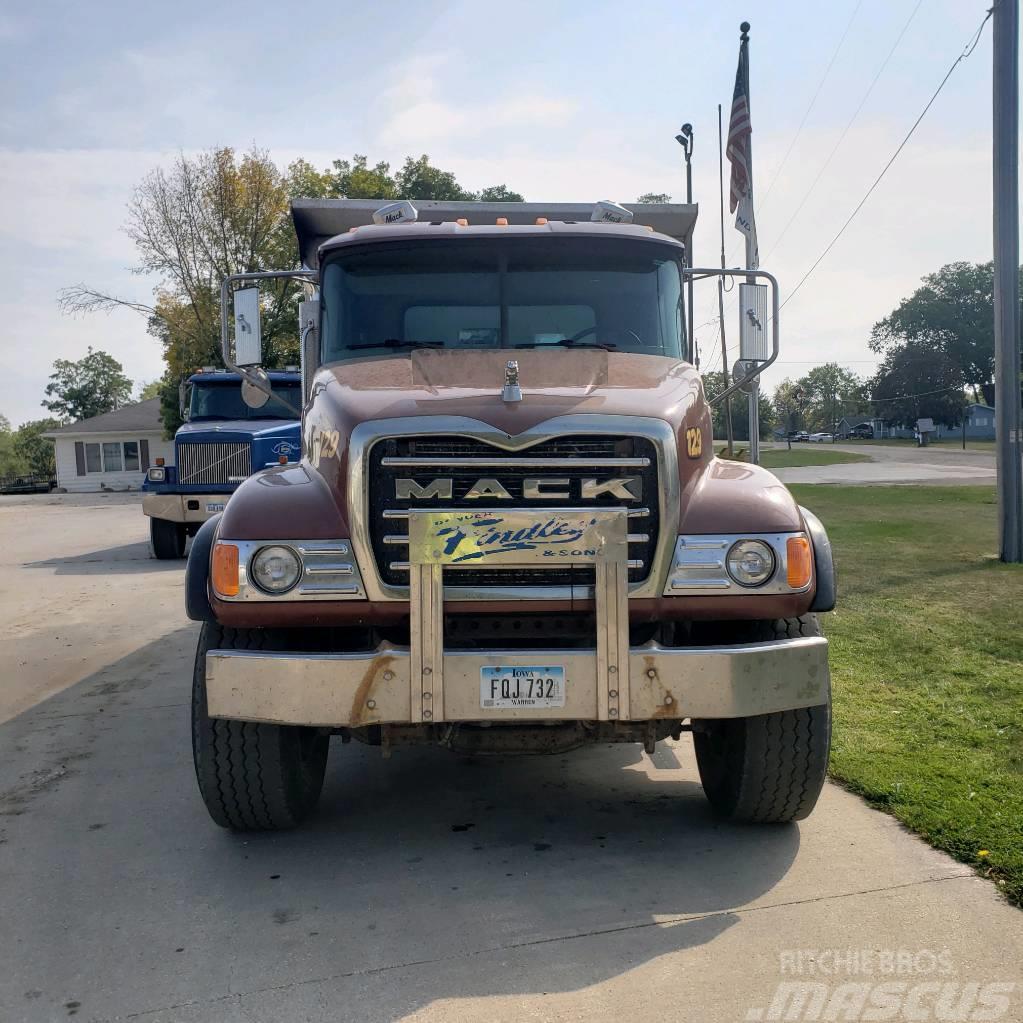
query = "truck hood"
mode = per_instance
[
  {"x": 237, "y": 430},
  {"x": 553, "y": 382}
]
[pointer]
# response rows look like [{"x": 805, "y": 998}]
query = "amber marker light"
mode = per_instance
[
  {"x": 502, "y": 221},
  {"x": 799, "y": 560},
  {"x": 160, "y": 461},
  {"x": 225, "y": 569}
]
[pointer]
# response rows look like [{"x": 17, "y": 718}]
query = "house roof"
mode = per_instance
[
  {"x": 980, "y": 404},
  {"x": 142, "y": 417}
]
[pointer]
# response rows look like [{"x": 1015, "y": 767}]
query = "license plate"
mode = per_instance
[
  {"x": 517, "y": 685},
  {"x": 218, "y": 506}
]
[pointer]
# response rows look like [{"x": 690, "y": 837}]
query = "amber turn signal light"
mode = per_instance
[
  {"x": 799, "y": 560},
  {"x": 225, "y": 569}
]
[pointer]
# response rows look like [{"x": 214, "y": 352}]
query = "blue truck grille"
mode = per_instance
[{"x": 221, "y": 463}]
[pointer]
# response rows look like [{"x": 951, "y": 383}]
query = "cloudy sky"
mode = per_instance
[{"x": 560, "y": 101}]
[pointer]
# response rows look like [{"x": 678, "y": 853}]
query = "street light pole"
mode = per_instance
[
  {"x": 1008, "y": 425},
  {"x": 685, "y": 140}
]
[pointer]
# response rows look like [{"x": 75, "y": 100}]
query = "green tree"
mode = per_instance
[
  {"x": 829, "y": 393},
  {"x": 355, "y": 179},
  {"x": 652, "y": 197},
  {"x": 953, "y": 314},
  {"x": 36, "y": 453},
  {"x": 790, "y": 400},
  {"x": 10, "y": 463},
  {"x": 916, "y": 382},
  {"x": 713, "y": 384},
  {"x": 89, "y": 387},
  {"x": 204, "y": 218},
  {"x": 149, "y": 390},
  {"x": 498, "y": 193}
]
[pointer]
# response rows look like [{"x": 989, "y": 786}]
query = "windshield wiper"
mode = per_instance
[
  {"x": 393, "y": 342},
  {"x": 567, "y": 342}
]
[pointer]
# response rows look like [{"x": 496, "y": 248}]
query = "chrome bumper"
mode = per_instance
[
  {"x": 174, "y": 507},
  {"x": 378, "y": 687},
  {"x": 426, "y": 684}
]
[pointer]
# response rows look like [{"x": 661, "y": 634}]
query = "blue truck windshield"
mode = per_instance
[
  {"x": 520, "y": 292},
  {"x": 224, "y": 401}
]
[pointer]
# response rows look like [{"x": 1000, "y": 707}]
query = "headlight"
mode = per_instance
[
  {"x": 158, "y": 474},
  {"x": 275, "y": 569},
  {"x": 750, "y": 562}
]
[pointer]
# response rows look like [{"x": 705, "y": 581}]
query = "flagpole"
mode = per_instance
[
  {"x": 721, "y": 292},
  {"x": 754, "y": 394}
]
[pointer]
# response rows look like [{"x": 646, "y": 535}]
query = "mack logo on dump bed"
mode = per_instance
[{"x": 550, "y": 488}]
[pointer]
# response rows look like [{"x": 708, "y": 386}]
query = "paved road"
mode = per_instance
[
  {"x": 940, "y": 464},
  {"x": 592, "y": 886}
]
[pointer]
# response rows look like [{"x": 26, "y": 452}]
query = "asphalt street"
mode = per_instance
[{"x": 590, "y": 886}]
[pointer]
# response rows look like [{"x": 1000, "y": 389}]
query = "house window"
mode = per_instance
[
  {"x": 92, "y": 458},
  {"x": 112, "y": 461},
  {"x": 131, "y": 455}
]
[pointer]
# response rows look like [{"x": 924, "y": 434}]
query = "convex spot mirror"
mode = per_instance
[{"x": 256, "y": 391}]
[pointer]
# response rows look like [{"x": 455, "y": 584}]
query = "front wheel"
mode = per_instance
[
  {"x": 769, "y": 768},
  {"x": 168, "y": 539},
  {"x": 252, "y": 777}
]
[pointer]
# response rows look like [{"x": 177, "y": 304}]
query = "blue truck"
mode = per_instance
[{"x": 221, "y": 444}]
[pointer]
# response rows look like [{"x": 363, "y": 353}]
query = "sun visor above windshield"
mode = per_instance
[{"x": 318, "y": 220}]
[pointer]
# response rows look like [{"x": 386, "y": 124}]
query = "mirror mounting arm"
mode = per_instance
[
  {"x": 698, "y": 273},
  {"x": 254, "y": 377}
]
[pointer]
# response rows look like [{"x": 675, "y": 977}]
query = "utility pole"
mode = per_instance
[{"x": 1008, "y": 425}]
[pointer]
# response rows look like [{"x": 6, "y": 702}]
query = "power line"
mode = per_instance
[
  {"x": 971, "y": 46},
  {"x": 845, "y": 130},
  {"x": 813, "y": 101}
]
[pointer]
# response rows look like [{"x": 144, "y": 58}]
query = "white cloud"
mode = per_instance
[{"x": 413, "y": 113}]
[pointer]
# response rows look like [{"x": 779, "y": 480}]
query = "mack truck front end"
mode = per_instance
[
  {"x": 508, "y": 531},
  {"x": 220, "y": 445}
]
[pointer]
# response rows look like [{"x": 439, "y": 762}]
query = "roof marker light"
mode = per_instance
[
  {"x": 540, "y": 221},
  {"x": 396, "y": 213},
  {"x": 502, "y": 221},
  {"x": 607, "y": 212},
  {"x": 462, "y": 222}
]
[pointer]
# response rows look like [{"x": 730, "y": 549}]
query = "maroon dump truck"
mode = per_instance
[{"x": 508, "y": 532}]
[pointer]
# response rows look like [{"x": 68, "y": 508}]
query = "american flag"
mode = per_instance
[{"x": 739, "y": 153}]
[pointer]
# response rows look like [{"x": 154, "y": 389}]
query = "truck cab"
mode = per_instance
[
  {"x": 508, "y": 531},
  {"x": 222, "y": 442}
]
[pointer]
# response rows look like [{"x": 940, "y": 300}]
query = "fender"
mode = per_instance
[
  {"x": 824, "y": 563},
  {"x": 197, "y": 572}
]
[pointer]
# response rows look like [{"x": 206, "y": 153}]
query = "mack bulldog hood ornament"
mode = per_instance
[{"x": 512, "y": 391}]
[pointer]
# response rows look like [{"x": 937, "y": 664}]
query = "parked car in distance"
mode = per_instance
[
  {"x": 799, "y": 435},
  {"x": 821, "y": 438},
  {"x": 862, "y": 431}
]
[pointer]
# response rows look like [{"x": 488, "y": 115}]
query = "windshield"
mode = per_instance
[
  {"x": 224, "y": 401},
  {"x": 504, "y": 293}
]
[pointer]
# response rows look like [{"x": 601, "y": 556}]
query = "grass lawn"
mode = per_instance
[
  {"x": 801, "y": 454},
  {"x": 949, "y": 443},
  {"x": 927, "y": 663}
]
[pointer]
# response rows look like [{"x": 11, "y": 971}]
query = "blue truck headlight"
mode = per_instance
[
  {"x": 275, "y": 569},
  {"x": 157, "y": 474}
]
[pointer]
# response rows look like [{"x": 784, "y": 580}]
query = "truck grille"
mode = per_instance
[
  {"x": 221, "y": 462},
  {"x": 464, "y": 460}
]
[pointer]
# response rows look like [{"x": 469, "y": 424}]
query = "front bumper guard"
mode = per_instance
[
  {"x": 179, "y": 507},
  {"x": 426, "y": 684}
]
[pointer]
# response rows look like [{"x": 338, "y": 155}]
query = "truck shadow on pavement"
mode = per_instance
[
  {"x": 124, "y": 559},
  {"x": 424, "y": 877}
]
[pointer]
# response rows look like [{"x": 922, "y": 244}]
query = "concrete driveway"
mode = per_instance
[
  {"x": 938, "y": 464},
  {"x": 592, "y": 886}
]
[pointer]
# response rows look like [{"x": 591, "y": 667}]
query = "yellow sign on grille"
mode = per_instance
[{"x": 517, "y": 536}]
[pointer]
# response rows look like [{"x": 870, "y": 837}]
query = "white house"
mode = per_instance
[{"x": 111, "y": 451}]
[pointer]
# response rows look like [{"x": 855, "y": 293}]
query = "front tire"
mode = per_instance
[
  {"x": 769, "y": 768},
  {"x": 167, "y": 538},
  {"x": 252, "y": 777}
]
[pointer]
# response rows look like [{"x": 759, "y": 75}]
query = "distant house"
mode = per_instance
[
  {"x": 111, "y": 451},
  {"x": 980, "y": 422}
]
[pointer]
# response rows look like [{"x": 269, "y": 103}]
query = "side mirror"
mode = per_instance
[
  {"x": 183, "y": 402},
  {"x": 754, "y": 323},
  {"x": 248, "y": 344}
]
